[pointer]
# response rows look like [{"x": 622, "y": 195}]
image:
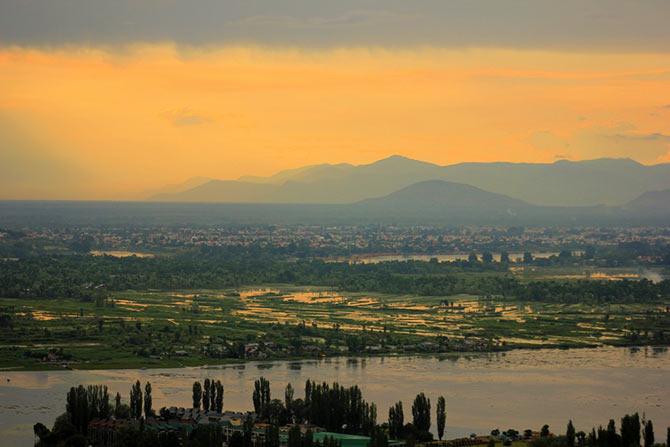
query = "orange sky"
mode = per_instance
[{"x": 93, "y": 123}]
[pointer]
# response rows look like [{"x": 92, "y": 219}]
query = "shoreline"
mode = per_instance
[{"x": 243, "y": 362}]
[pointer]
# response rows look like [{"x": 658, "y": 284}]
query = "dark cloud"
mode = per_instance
[{"x": 616, "y": 25}]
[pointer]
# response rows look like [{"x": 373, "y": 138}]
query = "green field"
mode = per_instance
[{"x": 156, "y": 328}]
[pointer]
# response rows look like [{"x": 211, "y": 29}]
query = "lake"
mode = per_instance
[{"x": 518, "y": 389}]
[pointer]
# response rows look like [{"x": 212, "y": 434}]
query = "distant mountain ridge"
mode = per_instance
[
  {"x": 562, "y": 183},
  {"x": 432, "y": 202}
]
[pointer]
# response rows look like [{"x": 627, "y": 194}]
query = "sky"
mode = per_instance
[{"x": 112, "y": 100}]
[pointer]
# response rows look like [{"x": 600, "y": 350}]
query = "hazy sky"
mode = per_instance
[{"x": 109, "y": 99}]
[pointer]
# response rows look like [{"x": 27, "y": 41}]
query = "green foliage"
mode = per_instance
[
  {"x": 648, "y": 434},
  {"x": 136, "y": 400},
  {"x": 570, "y": 434},
  {"x": 630, "y": 430},
  {"x": 197, "y": 394},
  {"x": 86, "y": 403},
  {"x": 421, "y": 413},
  {"x": 396, "y": 421},
  {"x": 378, "y": 438},
  {"x": 261, "y": 397},
  {"x": 148, "y": 411},
  {"x": 338, "y": 408},
  {"x": 441, "y": 416}
]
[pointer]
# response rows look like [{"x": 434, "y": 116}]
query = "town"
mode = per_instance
[{"x": 351, "y": 243}]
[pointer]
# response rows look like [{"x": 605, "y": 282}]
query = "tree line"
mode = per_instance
[
  {"x": 87, "y": 277},
  {"x": 333, "y": 407}
]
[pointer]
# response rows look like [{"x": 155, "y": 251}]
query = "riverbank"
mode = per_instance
[{"x": 135, "y": 364}]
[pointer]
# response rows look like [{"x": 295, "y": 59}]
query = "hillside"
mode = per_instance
[{"x": 651, "y": 204}]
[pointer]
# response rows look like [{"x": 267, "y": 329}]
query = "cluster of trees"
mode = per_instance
[
  {"x": 211, "y": 396},
  {"x": 634, "y": 432},
  {"x": 339, "y": 408},
  {"x": 85, "y": 403},
  {"x": 419, "y": 429},
  {"x": 136, "y": 408},
  {"x": 333, "y": 407},
  {"x": 79, "y": 276}
]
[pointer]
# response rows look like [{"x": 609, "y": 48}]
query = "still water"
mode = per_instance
[{"x": 519, "y": 389}]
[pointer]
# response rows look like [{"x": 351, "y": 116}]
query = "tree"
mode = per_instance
[
  {"x": 205, "y": 396},
  {"x": 378, "y": 438},
  {"x": 487, "y": 257},
  {"x": 148, "y": 411},
  {"x": 136, "y": 400},
  {"x": 275, "y": 412},
  {"x": 197, "y": 394},
  {"x": 504, "y": 257},
  {"x": 213, "y": 395},
  {"x": 610, "y": 436},
  {"x": 581, "y": 439},
  {"x": 86, "y": 403},
  {"x": 261, "y": 396},
  {"x": 396, "y": 421},
  {"x": 648, "y": 434},
  {"x": 219, "y": 397},
  {"x": 570, "y": 434},
  {"x": 630, "y": 430},
  {"x": 288, "y": 396},
  {"x": 544, "y": 431},
  {"x": 421, "y": 412},
  {"x": 77, "y": 408},
  {"x": 527, "y": 257},
  {"x": 248, "y": 429},
  {"x": 117, "y": 402},
  {"x": 41, "y": 431},
  {"x": 441, "y": 416}
]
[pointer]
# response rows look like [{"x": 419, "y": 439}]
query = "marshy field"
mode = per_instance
[{"x": 195, "y": 327}]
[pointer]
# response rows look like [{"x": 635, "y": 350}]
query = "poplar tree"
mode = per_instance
[
  {"x": 205, "y": 395},
  {"x": 421, "y": 412},
  {"x": 396, "y": 421},
  {"x": 648, "y": 434},
  {"x": 219, "y": 396},
  {"x": 148, "y": 411},
  {"x": 570, "y": 434},
  {"x": 197, "y": 394},
  {"x": 441, "y": 416}
]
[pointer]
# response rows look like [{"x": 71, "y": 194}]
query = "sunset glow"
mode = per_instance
[{"x": 115, "y": 123}]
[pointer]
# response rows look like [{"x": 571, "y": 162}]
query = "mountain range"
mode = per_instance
[
  {"x": 601, "y": 182},
  {"x": 431, "y": 202}
]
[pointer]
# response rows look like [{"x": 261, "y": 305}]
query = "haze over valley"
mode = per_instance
[{"x": 351, "y": 223}]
